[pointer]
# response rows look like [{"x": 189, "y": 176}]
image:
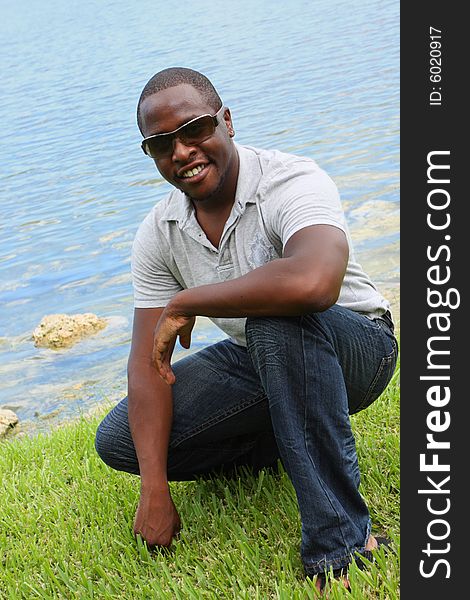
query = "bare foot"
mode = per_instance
[
  {"x": 322, "y": 587},
  {"x": 371, "y": 543}
]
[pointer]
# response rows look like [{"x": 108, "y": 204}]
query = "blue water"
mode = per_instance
[{"x": 318, "y": 78}]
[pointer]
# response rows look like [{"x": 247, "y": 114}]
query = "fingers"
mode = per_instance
[
  {"x": 166, "y": 332},
  {"x": 169, "y": 376},
  {"x": 177, "y": 530},
  {"x": 161, "y": 357},
  {"x": 185, "y": 332},
  {"x": 162, "y": 364},
  {"x": 165, "y": 335},
  {"x": 158, "y": 533},
  {"x": 185, "y": 339},
  {"x": 152, "y": 543}
]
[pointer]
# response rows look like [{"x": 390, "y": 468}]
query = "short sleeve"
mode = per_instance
[
  {"x": 154, "y": 283},
  {"x": 298, "y": 195}
]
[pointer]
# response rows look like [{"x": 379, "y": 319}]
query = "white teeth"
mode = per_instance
[{"x": 194, "y": 171}]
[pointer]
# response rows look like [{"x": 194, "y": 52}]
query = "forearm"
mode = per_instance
[
  {"x": 279, "y": 288},
  {"x": 150, "y": 417}
]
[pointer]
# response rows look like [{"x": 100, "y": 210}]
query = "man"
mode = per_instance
[{"x": 257, "y": 241}]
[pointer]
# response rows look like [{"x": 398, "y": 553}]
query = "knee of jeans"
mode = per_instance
[
  {"x": 268, "y": 327},
  {"x": 267, "y": 338},
  {"x": 101, "y": 441},
  {"x": 104, "y": 444},
  {"x": 113, "y": 441}
]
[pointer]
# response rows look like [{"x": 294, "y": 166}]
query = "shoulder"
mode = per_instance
[
  {"x": 294, "y": 192},
  {"x": 272, "y": 160},
  {"x": 281, "y": 171}
]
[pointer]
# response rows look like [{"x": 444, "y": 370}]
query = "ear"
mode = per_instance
[{"x": 228, "y": 122}]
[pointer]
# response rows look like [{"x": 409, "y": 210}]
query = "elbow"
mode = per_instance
[
  {"x": 319, "y": 304},
  {"x": 318, "y": 298},
  {"x": 326, "y": 302}
]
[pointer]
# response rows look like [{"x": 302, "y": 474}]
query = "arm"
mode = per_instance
[
  {"x": 307, "y": 279},
  {"x": 150, "y": 417}
]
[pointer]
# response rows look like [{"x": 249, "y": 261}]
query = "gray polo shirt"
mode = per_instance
[{"x": 277, "y": 195}]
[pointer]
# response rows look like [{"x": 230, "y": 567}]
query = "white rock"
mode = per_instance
[
  {"x": 8, "y": 420},
  {"x": 62, "y": 331}
]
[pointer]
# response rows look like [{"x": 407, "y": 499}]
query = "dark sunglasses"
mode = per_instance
[{"x": 192, "y": 133}]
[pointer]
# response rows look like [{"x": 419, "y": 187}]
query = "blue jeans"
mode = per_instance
[{"x": 287, "y": 396}]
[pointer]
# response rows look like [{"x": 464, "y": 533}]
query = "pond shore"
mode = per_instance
[{"x": 49, "y": 421}]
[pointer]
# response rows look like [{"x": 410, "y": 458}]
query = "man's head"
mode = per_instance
[
  {"x": 170, "y": 100},
  {"x": 176, "y": 76}
]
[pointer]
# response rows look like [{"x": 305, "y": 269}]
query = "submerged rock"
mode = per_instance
[
  {"x": 62, "y": 331},
  {"x": 8, "y": 420}
]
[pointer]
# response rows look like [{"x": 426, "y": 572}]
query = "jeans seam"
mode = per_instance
[
  {"x": 306, "y": 444},
  {"x": 314, "y": 567},
  {"x": 218, "y": 418}
]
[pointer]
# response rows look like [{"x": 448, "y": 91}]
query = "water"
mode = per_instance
[{"x": 318, "y": 78}]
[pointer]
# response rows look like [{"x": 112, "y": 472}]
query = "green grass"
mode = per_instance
[{"x": 66, "y": 524}]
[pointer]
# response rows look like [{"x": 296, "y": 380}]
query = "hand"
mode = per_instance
[
  {"x": 169, "y": 327},
  {"x": 157, "y": 520}
]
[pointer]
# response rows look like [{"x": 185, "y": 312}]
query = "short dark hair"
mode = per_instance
[{"x": 174, "y": 76}]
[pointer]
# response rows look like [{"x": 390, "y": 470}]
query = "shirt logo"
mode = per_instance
[{"x": 261, "y": 251}]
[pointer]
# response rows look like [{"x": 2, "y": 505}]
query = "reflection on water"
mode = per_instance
[{"x": 75, "y": 184}]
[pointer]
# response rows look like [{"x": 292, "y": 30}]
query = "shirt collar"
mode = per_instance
[{"x": 179, "y": 206}]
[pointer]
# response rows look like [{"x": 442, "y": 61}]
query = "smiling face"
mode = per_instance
[{"x": 207, "y": 171}]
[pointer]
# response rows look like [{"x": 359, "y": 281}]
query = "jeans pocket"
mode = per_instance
[{"x": 381, "y": 379}]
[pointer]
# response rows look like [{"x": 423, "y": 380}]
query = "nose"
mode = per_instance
[{"x": 181, "y": 152}]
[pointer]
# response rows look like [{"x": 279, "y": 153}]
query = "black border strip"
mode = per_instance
[{"x": 434, "y": 358}]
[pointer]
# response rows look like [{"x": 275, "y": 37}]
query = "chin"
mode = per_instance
[{"x": 210, "y": 192}]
